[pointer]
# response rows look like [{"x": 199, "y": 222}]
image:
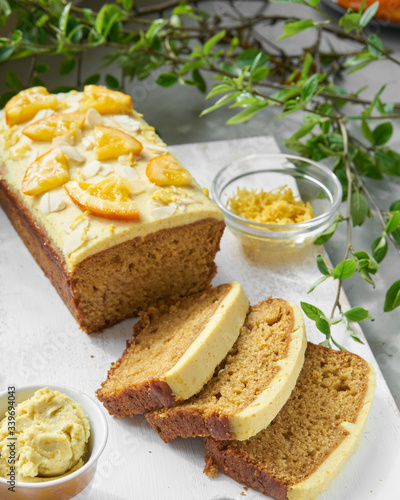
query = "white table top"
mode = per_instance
[{"x": 42, "y": 344}]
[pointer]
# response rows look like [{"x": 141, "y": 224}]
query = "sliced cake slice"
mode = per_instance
[
  {"x": 174, "y": 350},
  {"x": 251, "y": 385},
  {"x": 301, "y": 451}
]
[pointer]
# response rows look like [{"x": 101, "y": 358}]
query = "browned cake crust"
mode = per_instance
[
  {"x": 134, "y": 383},
  {"x": 136, "y": 400},
  {"x": 250, "y": 463},
  {"x": 191, "y": 418},
  {"x": 119, "y": 282},
  {"x": 187, "y": 424},
  {"x": 241, "y": 470}
]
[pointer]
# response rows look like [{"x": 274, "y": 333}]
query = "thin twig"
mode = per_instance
[{"x": 348, "y": 208}]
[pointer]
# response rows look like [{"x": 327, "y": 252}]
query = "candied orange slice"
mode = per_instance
[
  {"x": 53, "y": 126},
  {"x": 108, "y": 199},
  {"x": 165, "y": 170},
  {"x": 47, "y": 172},
  {"x": 24, "y": 106},
  {"x": 105, "y": 101},
  {"x": 111, "y": 143}
]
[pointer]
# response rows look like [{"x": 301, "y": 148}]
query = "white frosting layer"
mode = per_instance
[
  {"x": 311, "y": 487},
  {"x": 18, "y": 151},
  {"x": 266, "y": 406},
  {"x": 197, "y": 365}
]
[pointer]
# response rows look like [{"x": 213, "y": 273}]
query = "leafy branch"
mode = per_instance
[{"x": 182, "y": 43}]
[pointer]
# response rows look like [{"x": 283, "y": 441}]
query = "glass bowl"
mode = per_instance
[{"x": 311, "y": 181}]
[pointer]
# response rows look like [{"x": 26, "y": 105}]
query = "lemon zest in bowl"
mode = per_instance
[{"x": 278, "y": 206}]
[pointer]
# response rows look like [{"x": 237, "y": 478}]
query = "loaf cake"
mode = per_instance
[
  {"x": 114, "y": 220},
  {"x": 252, "y": 383},
  {"x": 301, "y": 451},
  {"x": 174, "y": 351}
]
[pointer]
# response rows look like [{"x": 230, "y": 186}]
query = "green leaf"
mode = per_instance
[
  {"x": 395, "y": 205},
  {"x": 379, "y": 248},
  {"x": 249, "y": 56},
  {"x": 366, "y": 276},
  {"x": 260, "y": 73},
  {"x": 318, "y": 282},
  {"x": 367, "y": 132},
  {"x": 382, "y": 133},
  {"x": 230, "y": 68},
  {"x": 345, "y": 269},
  {"x": 67, "y": 66},
  {"x": 296, "y": 27},
  {"x": 367, "y": 15},
  {"x": 62, "y": 88},
  {"x": 393, "y": 223},
  {"x": 5, "y": 98},
  {"x": 5, "y": 52},
  {"x": 322, "y": 266},
  {"x": 323, "y": 326},
  {"x": 311, "y": 311},
  {"x": 308, "y": 60},
  {"x": 303, "y": 131},
  {"x": 326, "y": 235},
  {"x": 12, "y": 81},
  {"x": 41, "y": 68},
  {"x": 388, "y": 161},
  {"x": 92, "y": 80},
  {"x": 376, "y": 49},
  {"x": 155, "y": 28},
  {"x": 366, "y": 165},
  {"x": 191, "y": 65},
  {"x": 359, "y": 208},
  {"x": 112, "y": 82},
  {"x": 222, "y": 101},
  {"x": 37, "y": 82},
  {"x": 350, "y": 21},
  {"x": 199, "y": 80},
  {"x": 357, "y": 314},
  {"x": 63, "y": 21},
  {"x": 218, "y": 89},
  {"x": 309, "y": 88},
  {"x": 364, "y": 260},
  {"x": 326, "y": 343},
  {"x": 246, "y": 114},
  {"x": 213, "y": 41},
  {"x": 392, "y": 299},
  {"x": 167, "y": 79},
  {"x": 127, "y": 4}
]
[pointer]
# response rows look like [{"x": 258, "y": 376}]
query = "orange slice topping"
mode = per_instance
[
  {"x": 165, "y": 170},
  {"x": 47, "y": 172},
  {"x": 105, "y": 101},
  {"x": 111, "y": 143},
  {"x": 108, "y": 199},
  {"x": 24, "y": 106},
  {"x": 53, "y": 126}
]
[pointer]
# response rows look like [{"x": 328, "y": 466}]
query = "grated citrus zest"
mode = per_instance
[{"x": 278, "y": 206}]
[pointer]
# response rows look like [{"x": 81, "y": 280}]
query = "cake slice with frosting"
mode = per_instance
[
  {"x": 174, "y": 351},
  {"x": 297, "y": 456},
  {"x": 250, "y": 386}
]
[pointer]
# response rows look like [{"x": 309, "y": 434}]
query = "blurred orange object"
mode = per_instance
[{"x": 388, "y": 10}]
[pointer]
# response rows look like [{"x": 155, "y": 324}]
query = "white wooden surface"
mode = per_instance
[{"x": 41, "y": 344}]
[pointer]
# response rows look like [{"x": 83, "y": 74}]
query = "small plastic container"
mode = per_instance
[
  {"x": 309, "y": 180},
  {"x": 69, "y": 486}
]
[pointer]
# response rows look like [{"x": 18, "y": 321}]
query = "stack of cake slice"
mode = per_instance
[{"x": 277, "y": 415}]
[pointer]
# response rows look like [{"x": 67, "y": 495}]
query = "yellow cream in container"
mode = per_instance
[{"x": 51, "y": 434}]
